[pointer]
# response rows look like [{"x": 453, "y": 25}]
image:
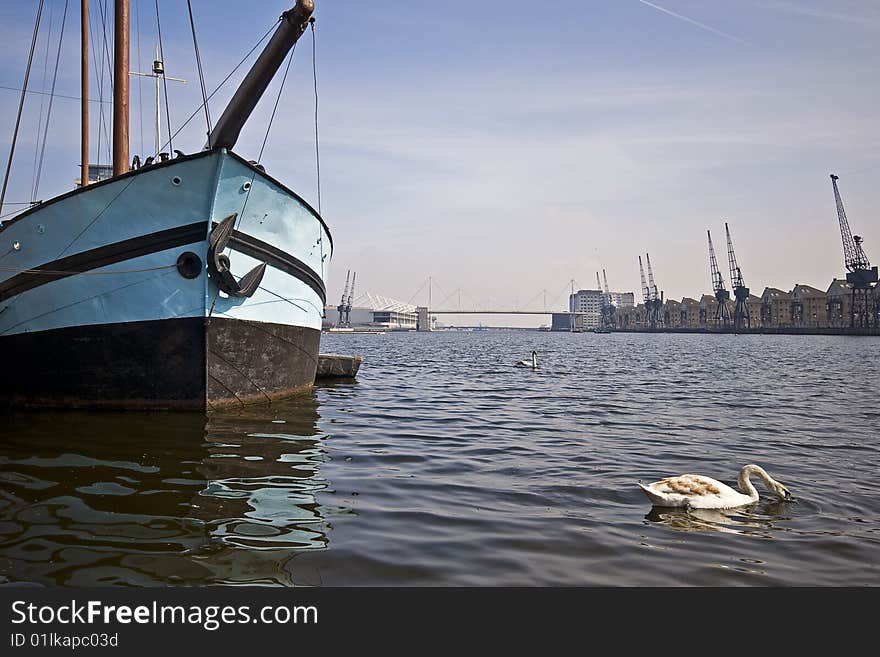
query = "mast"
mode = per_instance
[
  {"x": 293, "y": 24},
  {"x": 120, "y": 87},
  {"x": 84, "y": 83}
]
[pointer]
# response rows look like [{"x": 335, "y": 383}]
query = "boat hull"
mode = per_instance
[
  {"x": 107, "y": 299},
  {"x": 193, "y": 363}
]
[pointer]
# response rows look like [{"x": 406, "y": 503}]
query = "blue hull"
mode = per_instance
[{"x": 132, "y": 252}]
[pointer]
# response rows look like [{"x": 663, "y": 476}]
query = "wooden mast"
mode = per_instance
[
  {"x": 120, "y": 87},
  {"x": 84, "y": 84}
]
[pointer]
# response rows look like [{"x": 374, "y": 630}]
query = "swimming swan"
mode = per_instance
[
  {"x": 698, "y": 492},
  {"x": 532, "y": 363}
]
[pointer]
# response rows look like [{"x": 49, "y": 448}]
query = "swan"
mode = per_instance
[
  {"x": 530, "y": 363},
  {"x": 699, "y": 492}
]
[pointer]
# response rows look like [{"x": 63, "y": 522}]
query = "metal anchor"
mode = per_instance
[{"x": 218, "y": 263}]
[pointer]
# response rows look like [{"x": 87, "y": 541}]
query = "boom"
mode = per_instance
[
  {"x": 722, "y": 296},
  {"x": 341, "y": 306},
  {"x": 854, "y": 255}
]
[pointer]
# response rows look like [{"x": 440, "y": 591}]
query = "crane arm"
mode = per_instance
[
  {"x": 717, "y": 279},
  {"x": 854, "y": 255},
  {"x": 646, "y": 291}
]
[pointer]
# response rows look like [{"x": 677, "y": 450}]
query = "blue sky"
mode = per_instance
[{"x": 508, "y": 147}]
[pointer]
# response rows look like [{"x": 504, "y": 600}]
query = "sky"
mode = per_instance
[{"x": 508, "y": 148}]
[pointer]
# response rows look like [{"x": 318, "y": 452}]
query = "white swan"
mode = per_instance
[
  {"x": 698, "y": 492},
  {"x": 532, "y": 363}
]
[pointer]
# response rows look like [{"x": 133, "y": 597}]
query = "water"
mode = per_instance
[{"x": 446, "y": 465}]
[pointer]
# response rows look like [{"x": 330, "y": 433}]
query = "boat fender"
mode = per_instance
[{"x": 218, "y": 263}]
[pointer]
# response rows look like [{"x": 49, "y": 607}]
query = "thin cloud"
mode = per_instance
[{"x": 702, "y": 26}]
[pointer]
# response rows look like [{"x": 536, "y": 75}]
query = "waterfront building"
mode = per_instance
[
  {"x": 374, "y": 311},
  {"x": 589, "y": 303},
  {"x": 754, "y": 307},
  {"x": 623, "y": 299},
  {"x": 708, "y": 304},
  {"x": 567, "y": 322},
  {"x": 837, "y": 303},
  {"x": 625, "y": 316},
  {"x": 689, "y": 313},
  {"x": 775, "y": 308},
  {"x": 808, "y": 306},
  {"x": 671, "y": 313}
]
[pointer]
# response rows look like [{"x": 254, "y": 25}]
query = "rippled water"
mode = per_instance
[{"x": 444, "y": 464}]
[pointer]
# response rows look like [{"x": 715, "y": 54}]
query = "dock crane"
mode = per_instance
[
  {"x": 722, "y": 296},
  {"x": 609, "y": 304},
  {"x": 655, "y": 313},
  {"x": 740, "y": 291},
  {"x": 649, "y": 293},
  {"x": 348, "y": 301},
  {"x": 860, "y": 274},
  {"x": 341, "y": 306},
  {"x": 646, "y": 291}
]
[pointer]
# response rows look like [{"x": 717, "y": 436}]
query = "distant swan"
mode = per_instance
[
  {"x": 530, "y": 363},
  {"x": 698, "y": 492}
]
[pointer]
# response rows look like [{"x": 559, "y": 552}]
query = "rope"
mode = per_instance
[
  {"x": 164, "y": 81},
  {"x": 231, "y": 73},
  {"x": 39, "y": 127},
  {"x": 315, "y": 79},
  {"x": 192, "y": 24},
  {"x": 137, "y": 30},
  {"x": 27, "y": 74},
  {"x": 51, "y": 272},
  {"x": 45, "y": 93},
  {"x": 277, "y": 99},
  {"x": 49, "y": 109},
  {"x": 105, "y": 58},
  {"x": 247, "y": 197}
]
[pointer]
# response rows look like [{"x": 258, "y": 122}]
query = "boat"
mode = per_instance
[{"x": 192, "y": 282}]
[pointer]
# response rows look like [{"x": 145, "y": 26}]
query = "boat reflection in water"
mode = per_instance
[
  {"x": 756, "y": 520},
  {"x": 156, "y": 499}
]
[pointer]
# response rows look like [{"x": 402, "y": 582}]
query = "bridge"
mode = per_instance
[
  {"x": 504, "y": 312},
  {"x": 474, "y": 307}
]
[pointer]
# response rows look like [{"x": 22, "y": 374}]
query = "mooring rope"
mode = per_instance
[
  {"x": 27, "y": 74},
  {"x": 59, "y": 272}
]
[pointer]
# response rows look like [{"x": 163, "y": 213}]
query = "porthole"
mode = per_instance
[
  {"x": 175, "y": 181},
  {"x": 246, "y": 186},
  {"x": 189, "y": 264}
]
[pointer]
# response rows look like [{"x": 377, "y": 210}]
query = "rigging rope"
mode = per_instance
[
  {"x": 164, "y": 81},
  {"x": 137, "y": 31},
  {"x": 231, "y": 73},
  {"x": 46, "y": 93},
  {"x": 192, "y": 24},
  {"x": 277, "y": 99},
  {"x": 27, "y": 74},
  {"x": 49, "y": 110},
  {"x": 315, "y": 80},
  {"x": 39, "y": 127}
]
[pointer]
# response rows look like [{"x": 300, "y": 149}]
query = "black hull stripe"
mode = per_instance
[
  {"x": 103, "y": 256},
  {"x": 275, "y": 257}
]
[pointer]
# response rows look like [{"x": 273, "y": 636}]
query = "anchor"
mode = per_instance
[{"x": 218, "y": 263}]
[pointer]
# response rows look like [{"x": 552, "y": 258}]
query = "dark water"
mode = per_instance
[{"x": 445, "y": 465}]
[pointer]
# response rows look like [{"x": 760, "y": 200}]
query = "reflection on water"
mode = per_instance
[
  {"x": 148, "y": 499},
  {"x": 754, "y": 519},
  {"x": 444, "y": 464}
]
